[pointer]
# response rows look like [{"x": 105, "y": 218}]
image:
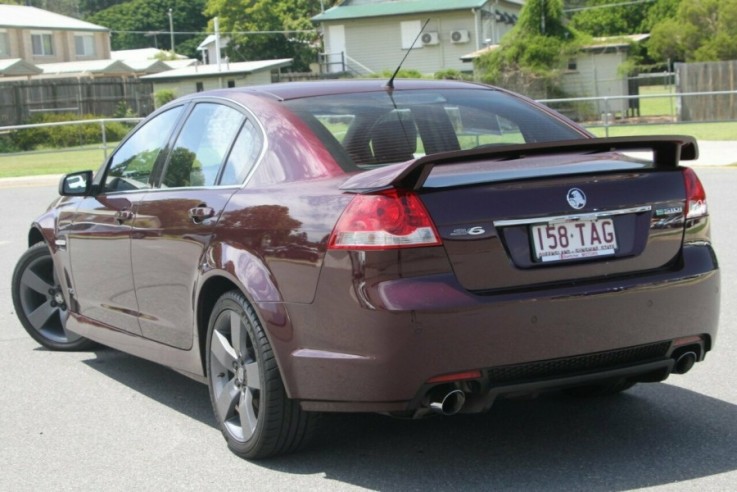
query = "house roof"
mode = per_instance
[
  {"x": 615, "y": 41},
  {"x": 147, "y": 66},
  {"x": 597, "y": 44},
  {"x": 96, "y": 67},
  {"x": 184, "y": 62},
  {"x": 209, "y": 71},
  {"x": 357, "y": 10},
  {"x": 140, "y": 54},
  {"x": 469, "y": 57},
  {"x": 19, "y": 17},
  {"x": 15, "y": 66},
  {"x": 210, "y": 40}
]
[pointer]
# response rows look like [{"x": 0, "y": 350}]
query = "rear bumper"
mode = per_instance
[{"x": 374, "y": 347}]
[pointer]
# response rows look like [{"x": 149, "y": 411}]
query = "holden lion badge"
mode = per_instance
[{"x": 576, "y": 198}]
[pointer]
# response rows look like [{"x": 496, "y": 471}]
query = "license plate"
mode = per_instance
[{"x": 572, "y": 240}]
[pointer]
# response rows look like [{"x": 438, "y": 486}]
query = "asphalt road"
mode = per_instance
[{"x": 107, "y": 421}]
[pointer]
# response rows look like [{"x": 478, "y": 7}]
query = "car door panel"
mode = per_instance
[
  {"x": 98, "y": 241},
  {"x": 175, "y": 223},
  {"x": 98, "y": 236}
]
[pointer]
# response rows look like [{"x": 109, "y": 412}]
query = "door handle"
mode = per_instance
[
  {"x": 200, "y": 214},
  {"x": 123, "y": 216}
]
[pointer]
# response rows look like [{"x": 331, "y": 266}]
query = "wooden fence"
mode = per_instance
[
  {"x": 707, "y": 77},
  {"x": 20, "y": 100}
]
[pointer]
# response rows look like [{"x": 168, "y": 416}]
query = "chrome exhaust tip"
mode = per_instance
[
  {"x": 685, "y": 362},
  {"x": 450, "y": 404}
]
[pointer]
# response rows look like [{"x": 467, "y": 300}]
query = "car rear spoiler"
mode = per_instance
[{"x": 668, "y": 151}]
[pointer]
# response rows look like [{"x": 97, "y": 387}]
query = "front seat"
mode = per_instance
[{"x": 393, "y": 140}]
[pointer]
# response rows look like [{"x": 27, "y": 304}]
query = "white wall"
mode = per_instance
[
  {"x": 597, "y": 75},
  {"x": 189, "y": 86},
  {"x": 376, "y": 43}
]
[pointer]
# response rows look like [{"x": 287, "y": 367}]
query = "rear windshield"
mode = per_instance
[{"x": 367, "y": 129}]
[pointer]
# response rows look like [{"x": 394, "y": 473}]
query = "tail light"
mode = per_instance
[
  {"x": 387, "y": 220},
  {"x": 695, "y": 195}
]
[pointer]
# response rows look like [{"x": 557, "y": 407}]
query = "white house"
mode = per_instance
[
  {"x": 209, "y": 50},
  {"x": 38, "y": 36},
  {"x": 199, "y": 78},
  {"x": 595, "y": 72},
  {"x": 366, "y": 36}
]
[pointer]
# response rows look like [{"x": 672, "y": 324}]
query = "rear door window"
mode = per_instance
[
  {"x": 243, "y": 155},
  {"x": 202, "y": 145}
]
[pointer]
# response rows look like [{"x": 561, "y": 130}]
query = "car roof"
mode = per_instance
[{"x": 297, "y": 90}]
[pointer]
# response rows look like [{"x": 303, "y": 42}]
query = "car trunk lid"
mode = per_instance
[{"x": 524, "y": 216}]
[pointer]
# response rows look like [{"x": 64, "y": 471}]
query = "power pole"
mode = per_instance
[{"x": 171, "y": 31}]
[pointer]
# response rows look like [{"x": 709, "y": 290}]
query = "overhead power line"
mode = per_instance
[
  {"x": 299, "y": 31},
  {"x": 609, "y": 5}
]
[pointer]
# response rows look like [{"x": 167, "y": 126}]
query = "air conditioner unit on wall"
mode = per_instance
[
  {"x": 430, "y": 38},
  {"x": 459, "y": 36}
]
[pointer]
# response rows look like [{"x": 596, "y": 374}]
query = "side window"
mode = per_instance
[
  {"x": 201, "y": 146},
  {"x": 243, "y": 155},
  {"x": 132, "y": 164}
]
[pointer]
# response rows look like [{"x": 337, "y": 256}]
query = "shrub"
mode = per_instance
[
  {"x": 163, "y": 96},
  {"x": 122, "y": 110},
  {"x": 452, "y": 74},
  {"x": 66, "y": 135},
  {"x": 7, "y": 145},
  {"x": 404, "y": 73}
]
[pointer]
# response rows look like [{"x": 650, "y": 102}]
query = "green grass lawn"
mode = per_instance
[
  {"x": 90, "y": 157},
  {"x": 60, "y": 161},
  {"x": 657, "y": 106},
  {"x": 702, "y": 131}
]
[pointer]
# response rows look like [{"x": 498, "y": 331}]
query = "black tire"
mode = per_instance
[
  {"x": 600, "y": 389},
  {"x": 242, "y": 372},
  {"x": 39, "y": 303}
]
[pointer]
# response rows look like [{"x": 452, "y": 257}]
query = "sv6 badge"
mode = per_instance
[{"x": 472, "y": 232}]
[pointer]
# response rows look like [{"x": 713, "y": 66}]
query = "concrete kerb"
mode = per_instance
[
  {"x": 715, "y": 153},
  {"x": 30, "y": 181},
  {"x": 711, "y": 153}
]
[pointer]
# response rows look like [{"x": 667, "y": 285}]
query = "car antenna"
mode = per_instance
[{"x": 390, "y": 84}]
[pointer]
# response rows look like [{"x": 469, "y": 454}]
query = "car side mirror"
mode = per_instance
[{"x": 76, "y": 184}]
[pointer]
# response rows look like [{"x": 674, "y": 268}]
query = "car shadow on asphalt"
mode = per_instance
[
  {"x": 654, "y": 434},
  {"x": 155, "y": 381}
]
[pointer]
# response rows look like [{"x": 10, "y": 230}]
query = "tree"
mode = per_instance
[
  {"x": 659, "y": 11},
  {"x": 246, "y": 23},
  {"x": 533, "y": 51},
  {"x": 133, "y": 19},
  {"x": 603, "y": 20},
  {"x": 701, "y": 30},
  {"x": 63, "y": 7},
  {"x": 88, "y": 7}
]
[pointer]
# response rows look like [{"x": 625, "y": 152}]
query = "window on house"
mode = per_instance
[
  {"x": 42, "y": 43},
  {"x": 231, "y": 84},
  {"x": 84, "y": 44},
  {"x": 199, "y": 86},
  {"x": 4, "y": 48},
  {"x": 410, "y": 30},
  {"x": 572, "y": 64}
]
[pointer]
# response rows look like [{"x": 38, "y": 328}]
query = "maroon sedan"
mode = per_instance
[{"x": 350, "y": 247}]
